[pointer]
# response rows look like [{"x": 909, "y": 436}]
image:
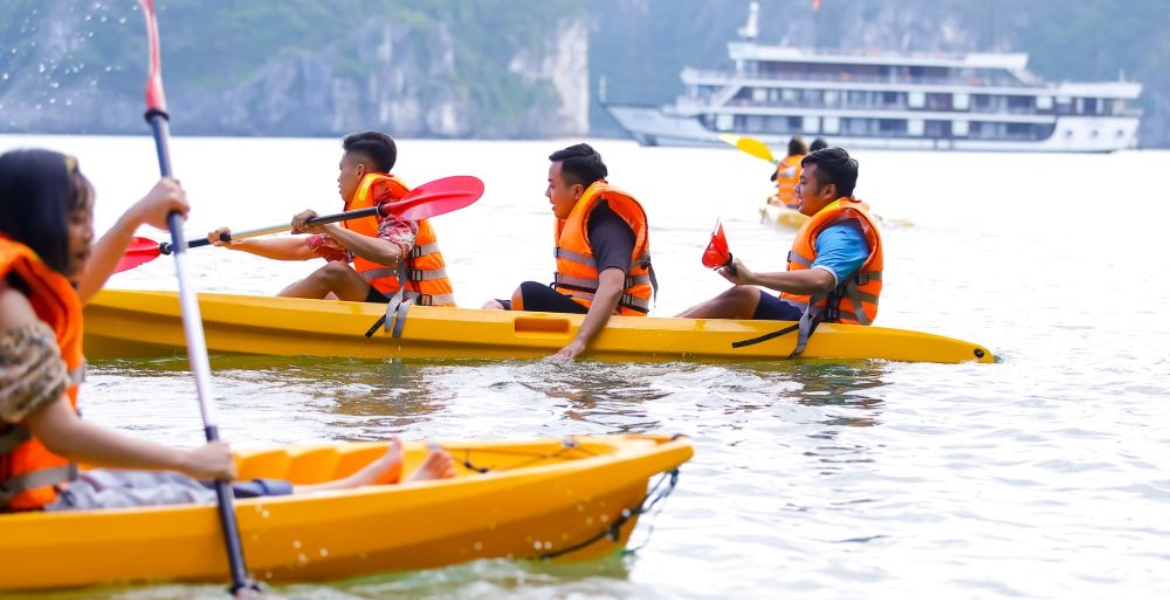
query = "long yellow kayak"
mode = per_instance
[
  {"x": 136, "y": 324},
  {"x": 571, "y": 499}
]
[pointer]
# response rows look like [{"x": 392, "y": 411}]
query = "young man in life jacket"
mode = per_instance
[
  {"x": 834, "y": 269},
  {"x": 787, "y": 174},
  {"x": 602, "y": 250},
  {"x": 49, "y": 266},
  {"x": 386, "y": 253}
]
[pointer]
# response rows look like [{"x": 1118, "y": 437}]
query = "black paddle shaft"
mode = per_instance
[{"x": 168, "y": 247}]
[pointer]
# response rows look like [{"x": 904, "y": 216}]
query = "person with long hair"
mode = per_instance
[{"x": 50, "y": 266}]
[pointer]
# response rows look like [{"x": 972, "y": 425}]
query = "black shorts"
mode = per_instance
[
  {"x": 540, "y": 297},
  {"x": 376, "y": 297},
  {"x": 772, "y": 308}
]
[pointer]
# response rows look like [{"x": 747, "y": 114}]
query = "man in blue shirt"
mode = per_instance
[{"x": 840, "y": 249}]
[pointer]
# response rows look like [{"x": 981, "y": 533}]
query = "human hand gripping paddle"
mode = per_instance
[
  {"x": 428, "y": 200},
  {"x": 156, "y": 115}
]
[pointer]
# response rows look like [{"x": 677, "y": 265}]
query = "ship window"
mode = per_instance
[
  {"x": 788, "y": 95},
  {"x": 1019, "y": 103},
  {"x": 1120, "y": 133},
  {"x": 1020, "y": 130},
  {"x": 1094, "y": 134},
  {"x": 1090, "y": 106},
  {"x": 832, "y": 97}
]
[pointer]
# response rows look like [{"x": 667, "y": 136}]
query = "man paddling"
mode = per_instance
[
  {"x": 602, "y": 250},
  {"x": 787, "y": 174},
  {"x": 386, "y": 252},
  {"x": 834, "y": 269}
]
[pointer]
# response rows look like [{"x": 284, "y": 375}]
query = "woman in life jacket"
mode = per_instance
[{"x": 49, "y": 265}]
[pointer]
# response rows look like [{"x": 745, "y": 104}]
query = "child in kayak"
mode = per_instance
[{"x": 49, "y": 266}]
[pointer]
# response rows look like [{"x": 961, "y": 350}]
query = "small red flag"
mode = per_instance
[
  {"x": 816, "y": 5},
  {"x": 717, "y": 255}
]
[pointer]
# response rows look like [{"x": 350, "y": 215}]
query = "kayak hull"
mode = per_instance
[
  {"x": 135, "y": 324},
  {"x": 539, "y": 498},
  {"x": 782, "y": 216}
]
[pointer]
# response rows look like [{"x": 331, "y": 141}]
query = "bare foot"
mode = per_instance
[
  {"x": 386, "y": 469},
  {"x": 438, "y": 465}
]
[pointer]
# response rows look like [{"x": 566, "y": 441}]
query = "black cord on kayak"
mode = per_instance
[{"x": 614, "y": 531}]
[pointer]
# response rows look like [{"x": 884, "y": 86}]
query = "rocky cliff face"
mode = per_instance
[{"x": 406, "y": 79}]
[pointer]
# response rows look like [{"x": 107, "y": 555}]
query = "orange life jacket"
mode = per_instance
[
  {"x": 423, "y": 270},
  {"x": 854, "y": 300},
  {"x": 577, "y": 275},
  {"x": 29, "y": 473},
  {"x": 787, "y": 177}
]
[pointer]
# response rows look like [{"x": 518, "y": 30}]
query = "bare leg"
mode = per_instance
[
  {"x": 388, "y": 469},
  {"x": 335, "y": 277},
  {"x": 739, "y": 302}
]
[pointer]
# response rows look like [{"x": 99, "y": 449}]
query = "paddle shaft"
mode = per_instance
[
  {"x": 192, "y": 319},
  {"x": 168, "y": 247}
]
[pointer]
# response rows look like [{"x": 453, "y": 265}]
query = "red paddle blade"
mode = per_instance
[
  {"x": 435, "y": 198},
  {"x": 141, "y": 250},
  {"x": 717, "y": 255}
]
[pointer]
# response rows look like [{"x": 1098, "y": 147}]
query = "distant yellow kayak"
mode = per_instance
[
  {"x": 565, "y": 499},
  {"x": 782, "y": 216},
  {"x": 137, "y": 324}
]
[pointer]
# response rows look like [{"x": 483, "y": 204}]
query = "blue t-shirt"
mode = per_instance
[{"x": 841, "y": 249}]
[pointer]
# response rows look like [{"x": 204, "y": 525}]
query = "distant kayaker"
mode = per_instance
[
  {"x": 834, "y": 269},
  {"x": 602, "y": 250},
  {"x": 787, "y": 174},
  {"x": 385, "y": 252},
  {"x": 49, "y": 266}
]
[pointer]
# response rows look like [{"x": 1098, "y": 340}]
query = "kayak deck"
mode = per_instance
[{"x": 136, "y": 324}]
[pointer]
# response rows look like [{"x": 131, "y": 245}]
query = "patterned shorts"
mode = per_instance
[{"x": 116, "y": 488}]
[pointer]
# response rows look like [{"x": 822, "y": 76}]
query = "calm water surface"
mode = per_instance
[{"x": 1043, "y": 476}]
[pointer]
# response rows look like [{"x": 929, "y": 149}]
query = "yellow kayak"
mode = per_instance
[
  {"x": 137, "y": 324},
  {"x": 546, "y": 498},
  {"x": 782, "y": 216}
]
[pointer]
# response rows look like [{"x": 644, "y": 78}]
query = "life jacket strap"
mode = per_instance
[{"x": 19, "y": 484}]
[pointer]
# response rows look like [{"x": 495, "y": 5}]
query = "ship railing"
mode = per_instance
[{"x": 699, "y": 76}]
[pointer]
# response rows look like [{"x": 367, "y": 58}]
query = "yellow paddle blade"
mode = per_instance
[
  {"x": 752, "y": 146},
  {"x": 756, "y": 148}
]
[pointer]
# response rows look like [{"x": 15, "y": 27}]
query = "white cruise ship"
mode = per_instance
[{"x": 972, "y": 102}]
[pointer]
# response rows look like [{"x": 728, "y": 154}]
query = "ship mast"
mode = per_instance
[{"x": 751, "y": 30}]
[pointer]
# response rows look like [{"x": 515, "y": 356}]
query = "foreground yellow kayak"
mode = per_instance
[
  {"x": 134, "y": 324},
  {"x": 550, "y": 498}
]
